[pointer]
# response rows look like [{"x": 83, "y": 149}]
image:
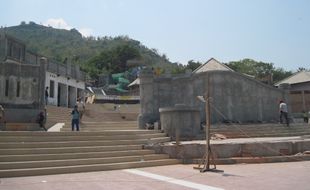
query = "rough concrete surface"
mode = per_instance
[
  {"x": 284, "y": 176},
  {"x": 241, "y": 147}
]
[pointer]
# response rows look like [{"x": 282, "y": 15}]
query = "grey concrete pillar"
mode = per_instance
[
  {"x": 146, "y": 98},
  {"x": 303, "y": 101},
  {"x": 42, "y": 75},
  {"x": 63, "y": 97},
  {"x": 180, "y": 122},
  {"x": 72, "y": 96}
]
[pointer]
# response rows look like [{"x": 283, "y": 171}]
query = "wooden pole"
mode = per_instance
[{"x": 208, "y": 114}]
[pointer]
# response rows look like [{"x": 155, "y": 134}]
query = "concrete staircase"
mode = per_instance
[
  {"x": 261, "y": 130},
  {"x": 41, "y": 153},
  {"x": 22, "y": 127},
  {"x": 100, "y": 145}
]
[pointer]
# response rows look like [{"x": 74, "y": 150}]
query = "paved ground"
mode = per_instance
[{"x": 284, "y": 176}]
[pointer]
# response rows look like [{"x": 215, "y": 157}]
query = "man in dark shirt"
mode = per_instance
[{"x": 46, "y": 95}]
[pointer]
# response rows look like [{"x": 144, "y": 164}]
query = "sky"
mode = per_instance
[{"x": 272, "y": 31}]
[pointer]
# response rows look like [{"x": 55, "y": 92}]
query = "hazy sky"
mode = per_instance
[{"x": 276, "y": 31}]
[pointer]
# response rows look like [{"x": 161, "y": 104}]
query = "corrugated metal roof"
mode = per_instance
[{"x": 299, "y": 77}]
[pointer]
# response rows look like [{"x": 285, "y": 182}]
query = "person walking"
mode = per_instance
[
  {"x": 305, "y": 115},
  {"x": 283, "y": 112},
  {"x": 75, "y": 118},
  {"x": 46, "y": 95},
  {"x": 2, "y": 118},
  {"x": 41, "y": 120}
]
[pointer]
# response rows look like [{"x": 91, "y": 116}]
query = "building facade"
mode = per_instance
[
  {"x": 299, "y": 91},
  {"x": 22, "y": 81},
  {"x": 24, "y": 76},
  {"x": 66, "y": 83}
]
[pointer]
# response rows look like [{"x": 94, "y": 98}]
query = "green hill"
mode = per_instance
[{"x": 60, "y": 44}]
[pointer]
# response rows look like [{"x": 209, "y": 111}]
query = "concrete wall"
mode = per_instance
[
  {"x": 22, "y": 106},
  {"x": 235, "y": 97},
  {"x": 2, "y": 46}
]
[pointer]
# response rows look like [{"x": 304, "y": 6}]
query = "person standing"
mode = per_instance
[
  {"x": 75, "y": 118},
  {"x": 46, "y": 95},
  {"x": 305, "y": 115},
  {"x": 283, "y": 112},
  {"x": 2, "y": 118}
]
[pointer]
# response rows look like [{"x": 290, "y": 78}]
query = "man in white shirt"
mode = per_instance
[{"x": 283, "y": 112}]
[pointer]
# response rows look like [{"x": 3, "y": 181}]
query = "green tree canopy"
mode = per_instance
[
  {"x": 111, "y": 60},
  {"x": 192, "y": 65},
  {"x": 259, "y": 69}
]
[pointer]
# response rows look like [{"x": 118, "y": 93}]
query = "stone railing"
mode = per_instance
[{"x": 66, "y": 70}]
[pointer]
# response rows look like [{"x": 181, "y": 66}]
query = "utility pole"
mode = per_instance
[
  {"x": 208, "y": 123},
  {"x": 208, "y": 154},
  {"x": 206, "y": 158}
]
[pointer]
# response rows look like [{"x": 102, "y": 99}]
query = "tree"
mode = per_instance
[
  {"x": 280, "y": 74},
  {"x": 192, "y": 65},
  {"x": 259, "y": 70},
  {"x": 111, "y": 60}
]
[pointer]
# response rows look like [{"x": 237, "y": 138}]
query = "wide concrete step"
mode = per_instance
[
  {"x": 66, "y": 128},
  {"x": 79, "y": 138},
  {"x": 107, "y": 126},
  {"x": 264, "y": 129},
  {"x": 261, "y": 132},
  {"x": 22, "y": 126},
  {"x": 84, "y": 168},
  {"x": 60, "y": 150},
  {"x": 81, "y": 133},
  {"x": 110, "y": 122},
  {"x": 72, "y": 162},
  {"x": 4, "y": 145},
  {"x": 265, "y": 135},
  {"x": 82, "y": 155}
]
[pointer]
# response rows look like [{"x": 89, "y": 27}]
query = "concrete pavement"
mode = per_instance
[{"x": 284, "y": 176}]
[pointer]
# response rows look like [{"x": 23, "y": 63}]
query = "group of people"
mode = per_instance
[{"x": 284, "y": 114}]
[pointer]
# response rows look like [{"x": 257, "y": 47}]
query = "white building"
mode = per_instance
[{"x": 66, "y": 83}]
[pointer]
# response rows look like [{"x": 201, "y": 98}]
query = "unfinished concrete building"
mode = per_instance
[
  {"x": 22, "y": 81},
  {"x": 24, "y": 76},
  {"x": 234, "y": 97}
]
